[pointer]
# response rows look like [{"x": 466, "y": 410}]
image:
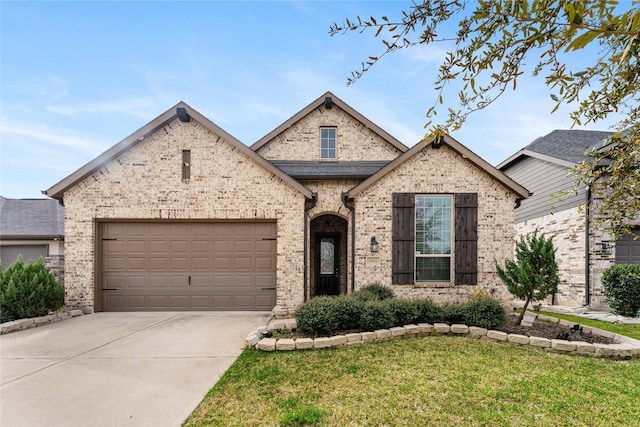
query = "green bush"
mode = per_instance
[
  {"x": 485, "y": 313},
  {"x": 454, "y": 313},
  {"x": 621, "y": 284},
  {"x": 28, "y": 290},
  {"x": 376, "y": 315},
  {"x": 403, "y": 311},
  {"x": 317, "y": 315},
  {"x": 346, "y": 311},
  {"x": 323, "y": 315},
  {"x": 427, "y": 311},
  {"x": 376, "y": 291}
]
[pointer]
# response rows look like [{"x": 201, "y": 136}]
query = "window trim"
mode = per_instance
[
  {"x": 335, "y": 143},
  {"x": 450, "y": 255}
]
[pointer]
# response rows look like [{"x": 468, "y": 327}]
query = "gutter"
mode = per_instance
[
  {"x": 587, "y": 250},
  {"x": 352, "y": 208},
  {"x": 314, "y": 200}
]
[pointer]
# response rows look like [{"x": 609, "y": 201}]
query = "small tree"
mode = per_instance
[{"x": 534, "y": 274}]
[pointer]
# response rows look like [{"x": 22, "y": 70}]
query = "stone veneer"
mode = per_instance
[
  {"x": 145, "y": 183},
  {"x": 626, "y": 347}
]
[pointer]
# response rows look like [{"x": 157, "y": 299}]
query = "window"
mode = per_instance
[
  {"x": 186, "y": 165},
  {"x": 433, "y": 238},
  {"x": 405, "y": 259},
  {"x": 327, "y": 143}
]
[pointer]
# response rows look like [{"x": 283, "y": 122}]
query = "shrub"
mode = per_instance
[
  {"x": 376, "y": 315},
  {"x": 403, "y": 311},
  {"x": 376, "y": 291},
  {"x": 621, "y": 284},
  {"x": 28, "y": 290},
  {"x": 427, "y": 311},
  {"x": 485, "y": 313},
  {"x": 347, "y": 310},
  {"x": 454, "y": 313},
  {"x": 317, "y": 315},
  {"x": 534, "y": 274}
]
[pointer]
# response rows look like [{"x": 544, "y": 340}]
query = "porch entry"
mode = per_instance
[{"x": 328, "y": 255}]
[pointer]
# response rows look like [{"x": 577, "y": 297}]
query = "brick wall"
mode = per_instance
[
  {"x": 145, "y": 182},
  {"x": 435, "y": 171},
  {"x": 354, "y": 141},
  {"x": 567, "y": 228}
]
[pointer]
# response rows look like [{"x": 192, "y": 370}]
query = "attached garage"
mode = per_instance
[{"x": 175, "y": 265}]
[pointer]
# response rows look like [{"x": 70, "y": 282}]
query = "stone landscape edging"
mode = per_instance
[
  {"x": 32, "y": 322},
  {"x": 624, "y": 348}
]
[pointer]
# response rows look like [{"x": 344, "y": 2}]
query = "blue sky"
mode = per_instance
[{"x": 78, "y": 77}]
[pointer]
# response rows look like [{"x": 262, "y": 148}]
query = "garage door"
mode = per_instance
[
  {"x": 628, "y": 249},
  {"x": 187, "y": 266}
]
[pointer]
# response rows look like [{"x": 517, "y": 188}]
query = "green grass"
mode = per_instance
[
  {"x": 430, "y": 381},
  {"x": 632, "y": 331}
]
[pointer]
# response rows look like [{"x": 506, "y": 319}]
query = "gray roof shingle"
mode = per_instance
[
  {"x": 569, "y": 145},
  {"x": 329, "y": 170},
  {"x": 31, "y": 218}
]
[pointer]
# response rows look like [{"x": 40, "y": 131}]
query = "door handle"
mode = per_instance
[{"x": 189, "y": 281}]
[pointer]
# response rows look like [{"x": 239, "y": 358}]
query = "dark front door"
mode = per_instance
[{"x": 328, "y": 265}]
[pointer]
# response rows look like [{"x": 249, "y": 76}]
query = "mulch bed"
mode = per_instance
[
  {"x": 539, "y": 329},
  {"x": 552, "y": 330}
]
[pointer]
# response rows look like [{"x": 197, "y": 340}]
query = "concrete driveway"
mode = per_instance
[{"x": 117, "y": 369}]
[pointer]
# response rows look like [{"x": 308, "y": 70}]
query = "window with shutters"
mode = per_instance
[{"x": 433, "y": 238}]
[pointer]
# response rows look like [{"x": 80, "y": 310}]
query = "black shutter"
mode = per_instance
[
  {"x": 466, "y": 236},
  {"x": 403, "y": 238}
]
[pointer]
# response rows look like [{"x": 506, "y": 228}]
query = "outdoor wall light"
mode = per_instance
[
  {"x": 606, "y": 247},
  {"x": 374, "y": 244}
]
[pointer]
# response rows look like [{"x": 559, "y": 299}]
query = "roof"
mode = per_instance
[
  {"x": 307, "y": 170},
  {"x": 31, "y": 219},
  {"x": 319, "y": 102},
  {"x": 436, "y": 142},
  {"x": 563, "y": 147},
  {"x": 185, "y": 113}
]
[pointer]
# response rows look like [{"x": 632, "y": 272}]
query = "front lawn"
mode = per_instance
[{"x": 435, "y": 380}]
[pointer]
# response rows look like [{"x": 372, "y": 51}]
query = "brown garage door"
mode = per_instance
[{"x": 187, "y": 266}]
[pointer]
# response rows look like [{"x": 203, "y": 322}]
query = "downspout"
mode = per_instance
[
  {"x": 352, "y": 208},
  {"x": 314, "y": 200},
  {"x": 587, "y": 251}
]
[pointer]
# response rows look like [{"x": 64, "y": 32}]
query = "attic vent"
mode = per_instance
[
  {"x": 182, "y": 114},
  {"x": 328, "y": 103}
]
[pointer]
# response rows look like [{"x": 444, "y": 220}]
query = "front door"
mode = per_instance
[{"x": 327, "y": 265}]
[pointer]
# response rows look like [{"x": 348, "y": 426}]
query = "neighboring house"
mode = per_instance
[
  {"x": 32, "y": 228},
  {"x": 582, "y": 251},
  {"x": 182, "y": 216}
]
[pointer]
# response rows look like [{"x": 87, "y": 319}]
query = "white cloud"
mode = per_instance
[
  {"x": 135, "y": 107},
  {"x": 43, "y": 134}
]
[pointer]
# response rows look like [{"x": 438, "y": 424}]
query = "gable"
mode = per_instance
[
  {"x": 180, "y": 117},
  {"x": 152, "y": 171},
  {"x": 441, "y": 162},
  {"x": 356, "y": 138}
]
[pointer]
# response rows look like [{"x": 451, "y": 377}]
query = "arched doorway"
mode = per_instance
[{"x": 328, "y": 255}]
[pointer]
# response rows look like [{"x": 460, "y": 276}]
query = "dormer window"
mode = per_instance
[{"x": 327, "y": 143}]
